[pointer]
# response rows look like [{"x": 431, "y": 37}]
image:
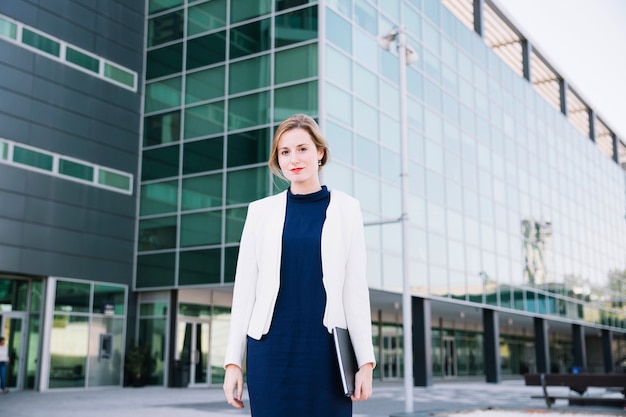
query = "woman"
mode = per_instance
[{"x": 300, "y": 272}]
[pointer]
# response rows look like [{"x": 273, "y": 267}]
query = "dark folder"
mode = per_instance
[{"x": 346, "y": 359}]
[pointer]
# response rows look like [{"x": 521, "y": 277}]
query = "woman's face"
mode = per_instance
[{"x": 298, "y": 160}]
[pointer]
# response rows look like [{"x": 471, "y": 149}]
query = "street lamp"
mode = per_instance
[{"x": 406, "y": 56}]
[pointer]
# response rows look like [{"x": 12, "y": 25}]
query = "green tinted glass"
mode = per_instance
[
  {"x": 108, "y": 299},
  {"x": 204, "y": 120},
  {"x": 160, "y": 163},
  {"x": 246, "y": 185},
  {"x": 156, "y": 270},
  {"x": 156, "y": 234},
  {"x": 296, "y": 26},
  {"x": 82, "y": 60},
  {"x": 250, "y": 38},
  {"x": 248, "y": 111},
  {"x": 235, "y": 219},
  {"x": 201, "y": 229},
  {"x": 75, "y": 169},
  {"x": 250, "y": 74},
  {"x": 247, "y": 148},
  {"x": 166, "y": 28},
  {"x": 114, "y": 179},
  {"x": 158, "y": 198},
  {"x": 205, "y": 85},
  {"x": 4, "y": 150},
  {"x": 199, "y": 267},
  {"x": 163, "y": 94},
  {"x": 164, "y": 61},
  {"x": 287, "y": 4},
  {"x": 230, "y": 263},
  {"x": 41, "y": 42},
  {"x": 294, "y": 64},
  {"x": 203, "y": 155},
  {"x": 300, "y": 98},
  {"x": 161, "y": 128},
  {"x": 206, "y": 16},
  {"x": 157, "y": 309},
  {"x": 8, "y": 29},
  {"x": 32, "y": 158},
  {"x": 246, "y": 9},
  {"x": 160, "y": 5},
  {"x": 72, "y": 297},
  {"x": 202, "y": 192},
  {"x": 120, "y": 75},
  {"x": 207, "y": 50}
]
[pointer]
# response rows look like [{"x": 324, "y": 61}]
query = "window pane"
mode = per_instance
[
  {"x": 114, "y": 179},
  {"x": 367, "y": 155},
  {"x": 339, "y": 31},
  {"x": 105, "y": 371},
  {"x": 248, "y": 111},
  {"x": 205, "y": 85},
  {"x": 300, "y": 98},
  {"x": 109, "y": 299},
  {"x": 246, "y": 9},
  {"x": 41, "y": 42},
  {"x": 249, "y": 74},
  {"x": 287, "y": 4},
  {"x": 202, "y": 192},
  {"x": 158, "y": 198},
  {"x": 203, "y": 155},
  {"x": 248, "y": 148},
  {"x": 82, "y": 60},
  {"x": 206, "y": 16},
  {"x": 206, "y": 50},
  {"x": 156, "y": 270},
  {"x": 69, "y": 339},
  {"x": 294, "y": 64},
  {"x": 8, "y": 29},
  {"x": 204, "y": 120},
  {"x": 159, "y": 163},
  {"x": 365, "y": 16},
  {"x": 250, "y": 39},
  {"x": 230, "y": 262},
  {"x": 165, "y": 28},
  {"x": 75, "y": 169},
  {"x": 4, "y": 150},
  {"x": 164, "y": 61},
  {"x": 298, "y": 26},
  {"x": 201, "y": 229},
  {"x": 246, "y": 185},
  {"x": 338, "y": 104},
  {"x": 235, "y": 219},
  {"x": 163, "y": 94},
  {"x": 199, "y": 267},
  {"x": 160, "y": 5},
  {"x": 161, "y": 128},
  {"x": 72, "y": 297},
  {"x": 365, "y": 84},
  {"x": 120, "y": 75},
  {"x": 32, "y": 158},
  {"x": 155, "y": 234},
  {"x": 338, "y": 68}
]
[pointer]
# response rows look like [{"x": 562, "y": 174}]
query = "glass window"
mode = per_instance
[
  {"x": 69, "y": 339},
  {"x": 247, "y": 148},
  {"x": 365, "y": 49},
  {"x": 155, "y": 6},
  {"x": 235, "y": 219},
  {"x": 166, "y": 28},
  {"x": 250, "y": 74},
  {"x": 207, "y": 50},
  {"x": 248, "y": 111},
  {"x": 367, "y": 190},
  {"x": 365, "y": 16},
  {"x": 204, "y": 120},
  {"x": 297, "y": 26},
  {"x": 120, "y": 75},
  {"x": 160, "y": 163},
  {"x": 338, "y": 31},
  {"x": 105, "y": 351},
  {"x": 338, "y": 68},
  {"x": 32, "y": 158},
  {"x": 203, "y": 155},
  {"x": 338, "y": 104},
  {"x": 341, "y": 138},
  {"x": 161, "y": 128},
  {"x": 155, "y": 309},
  {"x": 246, "y": 185},
  {"x": 164, "y": 61},
  {"x": 296, "y": 63},
  {"x": 287, "y": 4},
  {"x": 246, "y": 9},
  {"x": 250, "y": 39},
  {"x": 72, "y": 297},
  {"x": 367, "y": 155},
  {"x": 201, "y": 229},
  {"x": 202, "y": 192},
  {"x": 230, "y": 261},
  {"x": 155, "y": 234},
  {"x": 82, "y": 59},
  {"x": 76, "y": 169},
  {"x": 365, "y": 120},
  {"x": 41, "y": 42},
  {"x": 365, "y": 84},
  {"x": 300, "y": 98},
  {"x": 431, "y": 9},
  {"x": 342, "y": 6},
  {"x": 163, "y": 94},
  {"x": 8, "y": 29},
  {"x": 109, "y": 299},
  {"x": 199, "y": 267},
  {"x": 206, "y": 16},
  {"x": 114, "y": 179},
  {"x": 4, "y": 150},
  {"x": 205, "y": 85},
  {"x": 158, "y": 198},
  {"x": 155, "y": 270}
]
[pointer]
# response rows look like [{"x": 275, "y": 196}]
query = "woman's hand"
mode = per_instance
[
  {"x": 363, "y": 383},
  {"x": 233, "y": 385}
]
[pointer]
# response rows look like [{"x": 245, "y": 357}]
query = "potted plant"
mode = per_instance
[{"x": 138, "y": 365}]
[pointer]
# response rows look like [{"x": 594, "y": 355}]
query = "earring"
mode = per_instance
[{"x": 319, "y": 163}]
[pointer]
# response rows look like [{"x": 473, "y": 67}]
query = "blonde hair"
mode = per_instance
[{"x": 297, "y": 121}]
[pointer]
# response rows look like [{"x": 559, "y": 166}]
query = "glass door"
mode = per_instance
[
  {"x": 12, "y": 325},
  {"x": 392, "y": 354},
  {"x": 192, "y": 351},
  {"x": 449, "y": 357}
]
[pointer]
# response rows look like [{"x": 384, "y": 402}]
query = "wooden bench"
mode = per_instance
[{"x": 579, "y": 383}]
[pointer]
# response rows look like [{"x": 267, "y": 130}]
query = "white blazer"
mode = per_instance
[{"x": 257, "y": 279}]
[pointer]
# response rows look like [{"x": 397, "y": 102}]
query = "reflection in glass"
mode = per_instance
[
  {"x": 68, "y": 350},
  {"x": 297, "y": 26}
]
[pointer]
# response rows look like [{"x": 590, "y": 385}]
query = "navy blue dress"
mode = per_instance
[{"x": 292, "y": 371}]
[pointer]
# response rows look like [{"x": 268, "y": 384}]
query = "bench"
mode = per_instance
[{"x": 579, "y": 383}]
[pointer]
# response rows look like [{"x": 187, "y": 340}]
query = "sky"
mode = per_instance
[{"x": 585, "y": 41}]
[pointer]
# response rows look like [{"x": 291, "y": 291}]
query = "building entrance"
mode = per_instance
[
  {"x": 13, "y": 325},
  {"x": 448, "y": 354},
  {"x": 192, "y": 351}
]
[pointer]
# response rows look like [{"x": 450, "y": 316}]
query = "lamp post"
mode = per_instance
[{"x": 406, "y": 56}]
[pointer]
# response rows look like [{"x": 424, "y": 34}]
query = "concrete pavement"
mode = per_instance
[{"x": 388, "y": 399}]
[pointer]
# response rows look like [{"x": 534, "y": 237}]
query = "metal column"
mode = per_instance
[
  {"x": 491, "y": 345},
  {"x": 542, "y": 349},
  {"x": 422, "y": 349}
]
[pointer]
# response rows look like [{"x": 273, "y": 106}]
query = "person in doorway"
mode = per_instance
[
  {"x": 300, "y": 273},
  {"x": 4, "y": 361}
]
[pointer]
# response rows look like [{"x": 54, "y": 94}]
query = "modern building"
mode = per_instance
[{"x": 133, "y": 136}]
